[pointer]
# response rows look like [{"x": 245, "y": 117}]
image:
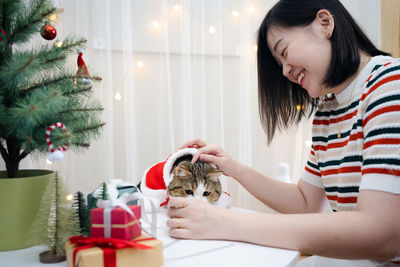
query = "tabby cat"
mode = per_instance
[{"x": 198, "y": 180}]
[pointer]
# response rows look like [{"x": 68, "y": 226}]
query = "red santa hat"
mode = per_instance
[
  {"x": 157, "y": 177},
  {"x": 82, "y": 69}
]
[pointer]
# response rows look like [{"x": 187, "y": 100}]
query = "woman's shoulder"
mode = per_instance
[
  {"x": 383, "y": 79},
  {"x": 383, "y": 68}
]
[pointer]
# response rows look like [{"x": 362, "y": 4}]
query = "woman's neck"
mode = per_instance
[{"x": 363, "y": 61}]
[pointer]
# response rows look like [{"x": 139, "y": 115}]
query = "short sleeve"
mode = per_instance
[
  {"x": 312, "y": 174},
  {"x": 381, "y": 129}
]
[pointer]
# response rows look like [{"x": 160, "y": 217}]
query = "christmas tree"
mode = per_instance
[
  {"x": 36, "y": 87},
  {"x": 55, "y": 222}
]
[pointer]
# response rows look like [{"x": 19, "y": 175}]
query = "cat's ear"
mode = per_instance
[
  {"x": 214, "y": 175},
  {"x": 182, "y": 170}
]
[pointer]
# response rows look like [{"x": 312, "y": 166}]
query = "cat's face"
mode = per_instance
[{"x": 198, "y": 180}]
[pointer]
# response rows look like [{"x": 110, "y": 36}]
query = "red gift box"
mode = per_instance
[{"x": 123, "y": 225}]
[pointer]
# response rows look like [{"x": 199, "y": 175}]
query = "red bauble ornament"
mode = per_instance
[{"x": 48, "y": 32}]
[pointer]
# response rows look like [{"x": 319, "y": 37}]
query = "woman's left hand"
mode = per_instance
[{"x": 193, "y": 219}]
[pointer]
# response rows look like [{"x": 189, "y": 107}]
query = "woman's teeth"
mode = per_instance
[{"x": 301, "y": 76}]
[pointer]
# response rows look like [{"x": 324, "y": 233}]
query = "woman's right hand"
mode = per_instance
[{"x": 212, "y": 154}]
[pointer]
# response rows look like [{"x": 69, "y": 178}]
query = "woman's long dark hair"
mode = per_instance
[{"x": 281, "y": 102}]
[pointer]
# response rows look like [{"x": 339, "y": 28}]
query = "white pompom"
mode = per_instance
[
  {"x": 56, "y": 155},
  {"x": 79, "y": 50}
]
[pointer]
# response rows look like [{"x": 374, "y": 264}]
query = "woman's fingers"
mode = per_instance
[
  {"x": 178, "y": 202},
  {"x": 209, "y": 150},
  {"x": 179, "y": 233},
  {"x": 196, "y": 143},
  {"x": 177, "y": 223}
]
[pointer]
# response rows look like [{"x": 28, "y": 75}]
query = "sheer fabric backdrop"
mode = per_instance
[{"x": 167, "y": 78}]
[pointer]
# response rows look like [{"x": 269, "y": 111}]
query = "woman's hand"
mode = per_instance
[
  {"x": 213, "y": 154},
  {"x": 194, "y": 219}
]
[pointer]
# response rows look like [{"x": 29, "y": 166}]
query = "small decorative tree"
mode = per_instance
[
  {"x": 55, "y": 222},
  {"x": 36, "y": 88},
  {"x": 83, "y": 213}
]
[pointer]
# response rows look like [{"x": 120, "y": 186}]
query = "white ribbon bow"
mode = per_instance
[{"x": 109, "y": 204}]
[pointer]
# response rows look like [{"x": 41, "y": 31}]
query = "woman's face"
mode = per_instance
[{"x": 304, "y": 53}]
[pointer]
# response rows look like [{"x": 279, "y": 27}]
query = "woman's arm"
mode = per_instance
[
  {"x": 280, "y": 196},
  {"x": 371, "y": 232}
]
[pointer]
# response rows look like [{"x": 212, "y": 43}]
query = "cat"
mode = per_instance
[{"x": 197, "y": 180}]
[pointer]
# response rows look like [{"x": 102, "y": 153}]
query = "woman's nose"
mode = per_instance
[{"x": 287, "y": 70}]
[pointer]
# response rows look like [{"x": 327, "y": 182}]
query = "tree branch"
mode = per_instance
[
  {"x": 89, "y": 128},
  {"x": 81, "y": 110},
  {"x": 44, "y": 15},
  {"x": 49, "y": 82},
  {"x": 3, "y": 152}
]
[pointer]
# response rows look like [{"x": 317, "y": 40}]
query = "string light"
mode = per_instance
[
  {"x": 299, "y": 107},
  {"x": 59, "y": 44},
  {"x": 140, "y": 64},
  {"x": 155, "y": 24},
  {"x": 252, "y": 9},
  {"x": 53, "y": 17},
  {"x": 235, "y": 13},
  {"x": 49, "y": 162},
  {"x": 255, "y": 48},
  {"x": 117, "y": 96},
  {"x": 69, "y": 197},
  {"x": 212, "y": 29},
  {"x": 177, "y": 7}
]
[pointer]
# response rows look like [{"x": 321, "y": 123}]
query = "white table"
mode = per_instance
[{"x": 181, "y": 253}]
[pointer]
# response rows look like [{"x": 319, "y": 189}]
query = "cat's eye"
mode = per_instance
[
  {"x": 206, "y": 193},
  {"x": 189, "y": 192}
]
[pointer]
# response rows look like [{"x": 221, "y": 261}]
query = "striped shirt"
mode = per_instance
[{"x": 366, "y": 153}]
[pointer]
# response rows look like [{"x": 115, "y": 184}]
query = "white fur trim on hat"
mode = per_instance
[
  {"x": 171, "y": 160},
  {"x": 160, "y": 194}
]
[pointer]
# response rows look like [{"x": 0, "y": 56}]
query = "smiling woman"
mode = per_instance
[{"x": 312, "y": 53}]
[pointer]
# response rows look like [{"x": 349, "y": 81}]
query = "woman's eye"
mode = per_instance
[
  {"x": 283, "y": 54},
  {"x": 189, "y": 192},
  {"x": 206, "y": 193}
]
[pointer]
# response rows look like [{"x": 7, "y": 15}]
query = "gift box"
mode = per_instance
[
  {"x": 121, "y": 224},
  {"x": 148, "y": 252}
]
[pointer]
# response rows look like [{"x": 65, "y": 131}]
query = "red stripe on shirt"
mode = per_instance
[
  {"x": 352, "y": 137},
  {"x": 380, "y": 171},
  {"x": 336, "y": 120},
  {"x": 381, "y": 111},
  {"x": 312, "y": 172},
  {"x": 380, "y": 83},
  {"x": 349, "y": 169},
  {"x": 342, "y": 199},
  {"x": 384, "y": 141}
]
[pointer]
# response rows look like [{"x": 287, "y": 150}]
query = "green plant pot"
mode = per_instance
[{"x": 19, "y": 202}]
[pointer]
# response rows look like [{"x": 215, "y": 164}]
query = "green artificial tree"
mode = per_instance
[
  {"x": 36, "y": 87},
  {"x": 55, "y": 222},
  {"x": 83, "y": 213}
]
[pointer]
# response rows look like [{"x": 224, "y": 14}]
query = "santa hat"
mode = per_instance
[
  {"x": 82, "y": 69},
  {"x": 157, "y": 177}
]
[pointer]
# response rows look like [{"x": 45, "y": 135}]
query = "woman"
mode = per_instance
[{"x": 311, "y": 53}]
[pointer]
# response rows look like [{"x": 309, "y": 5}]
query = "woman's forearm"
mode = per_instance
[
  {"x": 280, "y": 196},
  {"x": 353, "y": 235}
]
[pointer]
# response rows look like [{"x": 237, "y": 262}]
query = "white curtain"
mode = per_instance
[{"x": 174, "y": 70}]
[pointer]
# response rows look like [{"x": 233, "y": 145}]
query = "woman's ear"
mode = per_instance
[{"x": 325, "y": 21}]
